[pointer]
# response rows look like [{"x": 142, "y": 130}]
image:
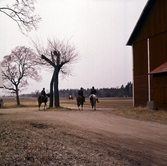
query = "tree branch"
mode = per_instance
[
  {"x": 48, "y": 60},
  {"x": 21, "y": 13}
]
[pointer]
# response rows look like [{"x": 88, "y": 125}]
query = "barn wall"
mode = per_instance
[
  {"x": 155, "y": 28},
  {"x": 155, "y": 22},
  {"x": 158, "y": 50},
  {"x": 140, "y": 58},
  {"x": 140, "y": 90},
  {"x": 160, "y": 90},
  {"x": 140, "y": 73}
]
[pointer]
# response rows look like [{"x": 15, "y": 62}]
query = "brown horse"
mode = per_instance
[
  {"x": 80, "y": 102},
  {"x": 93, "y": 100},
  {"x": 43, "y": 99}
]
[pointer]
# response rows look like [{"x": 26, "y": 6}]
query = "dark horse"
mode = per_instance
[
  {"x": 93, "y": 100},
  {"x": 43, "y": 99},
  {"x": 80, "y": 101}
]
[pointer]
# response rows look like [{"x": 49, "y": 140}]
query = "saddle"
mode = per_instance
[
  {"x": 44, "y": 98},
  {"x": 82, "y": 98},
  {"x": 93, "y": 96}
]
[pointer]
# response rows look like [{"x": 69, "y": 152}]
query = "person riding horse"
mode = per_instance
[
  {"x": 43, "y": 98},
  {"x": 94, "y": 92},
  {"x": 43, "y": 93},
  {"x": 80, "y": 93}
]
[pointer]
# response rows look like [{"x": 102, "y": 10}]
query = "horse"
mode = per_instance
[
  {"x": 80, "y": 101},
  {"x": 43, "y": 99},
  {"x": 70, "y": 97},
  {"x": 93, "y": 100}
]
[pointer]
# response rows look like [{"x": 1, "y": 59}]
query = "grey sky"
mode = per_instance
[{"x": 98, "y": 28}]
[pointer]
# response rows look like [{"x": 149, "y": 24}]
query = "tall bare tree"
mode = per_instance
[
  {"x": 22, "y": 12},
  {"x": 59, "y": 55},
  {"x": 18, "y": 67}
]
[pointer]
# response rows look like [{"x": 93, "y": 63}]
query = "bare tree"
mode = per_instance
[
  {"x": 22, "y": 13},
  {"x": 59, "y": 55},
  {"x": 17, "y": 67}
]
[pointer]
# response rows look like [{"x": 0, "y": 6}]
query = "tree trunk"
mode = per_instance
[
  {"x": 51, "y": 89},
  {"x": 56, "y": 89},
  {"x": 17, "y": 97},
  {"x": 51, "y": 93}
]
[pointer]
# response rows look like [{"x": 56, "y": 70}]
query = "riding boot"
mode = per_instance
[{"x": 97, "y": 100}]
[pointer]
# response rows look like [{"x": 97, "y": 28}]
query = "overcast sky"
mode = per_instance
[{"x": 98, "y": 28}]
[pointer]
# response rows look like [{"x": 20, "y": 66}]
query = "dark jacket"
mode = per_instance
[
  {"x": 43, "y": 93},
  {"x": 93, "y": 91},
  {"x": 80, "y": 92}
]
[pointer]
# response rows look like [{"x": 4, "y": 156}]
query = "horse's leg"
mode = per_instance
[
  {"x": 95, "y": 104},
  {"x": 39, "y": 104},
  {"x": 91, "y": 101},
  {"x": 45, "y": 104},
  {"x": 82, "y": 106},
  {"x": 78, "y": 104},
  {"x": 92, "y": 104}
]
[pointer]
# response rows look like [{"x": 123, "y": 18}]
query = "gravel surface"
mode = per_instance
[{"x": 78, "y": 138}]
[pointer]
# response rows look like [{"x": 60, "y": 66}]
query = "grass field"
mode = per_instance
[
  {"x": 104, "y": 102},
  {"x": 120, "y": 106}
]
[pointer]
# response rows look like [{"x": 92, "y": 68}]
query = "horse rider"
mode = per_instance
[
  {"x": 94, "y": 92},
  {"x": 43, "y": 93},
  {"x": 80, "y": 93}
]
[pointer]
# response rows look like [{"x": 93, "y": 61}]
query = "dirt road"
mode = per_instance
[{"x": 72, "y": 137}]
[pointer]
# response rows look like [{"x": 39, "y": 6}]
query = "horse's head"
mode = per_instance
[{"x": 48, "y": 94}]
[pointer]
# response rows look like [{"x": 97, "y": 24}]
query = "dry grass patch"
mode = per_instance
[
  {"x": 115, "y": 102},
  {"x": 10, "y": 102},
  {"x": 144, "y": 114},
  {"x": 40, "y": 143},
  {"x": 103, "y": 103}
]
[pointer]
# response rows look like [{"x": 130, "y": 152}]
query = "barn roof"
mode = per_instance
[
  {"x": 160, "y": 69},
  {"x": 140, "y": 21}
]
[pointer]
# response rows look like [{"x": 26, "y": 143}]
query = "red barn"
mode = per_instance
[{"x": 149, "y": 45}]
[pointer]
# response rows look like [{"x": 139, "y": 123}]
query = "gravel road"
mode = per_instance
[{"x": 73, "y": 137}]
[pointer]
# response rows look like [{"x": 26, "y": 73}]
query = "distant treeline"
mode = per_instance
[{"x": 123, "y": 91}]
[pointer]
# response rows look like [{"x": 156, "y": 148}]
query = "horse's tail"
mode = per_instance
[
  {"x": 91, "y": 97},
  {"x": 78, "y": 100}
]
